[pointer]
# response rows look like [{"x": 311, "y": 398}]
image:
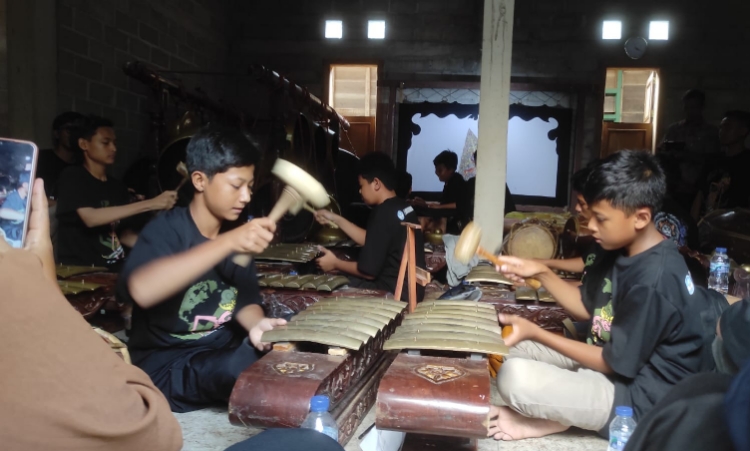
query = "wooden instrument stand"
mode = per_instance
[{"x": 409, "y": 261}]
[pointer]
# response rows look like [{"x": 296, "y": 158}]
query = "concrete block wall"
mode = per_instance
[
  {"x": 95, "y": 39},
  {"x": 423, "y": 37},
  {"x": 558, "y": 40},
  {"x": 3, "y": 71},
  {"x": 706, "y": 49}
]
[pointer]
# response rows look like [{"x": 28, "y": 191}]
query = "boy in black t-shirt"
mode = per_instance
[
  {"x": 446, "y": 163},
  {"x": 52, "y": 162},
  {"x": 91, "y": 205},
  {"x": 577, "y": 264},
  {"x": 198, "y": 318},
  {"x": 645, "y": 333},
  {"x": 383, "y": 241}
]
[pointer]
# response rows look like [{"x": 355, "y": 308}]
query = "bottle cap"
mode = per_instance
[
  {"x": 624, "y": 411},
  {"x": 319, "y": 403},
  {"x": 722, "y": 250}
]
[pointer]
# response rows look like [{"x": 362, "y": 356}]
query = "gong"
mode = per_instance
[{"x": 173, "y": 154}]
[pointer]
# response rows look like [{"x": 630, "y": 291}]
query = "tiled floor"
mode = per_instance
[{"x": 209, "y": 430}]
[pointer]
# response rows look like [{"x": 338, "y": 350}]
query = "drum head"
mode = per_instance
[{"x": 532, "y": 241}]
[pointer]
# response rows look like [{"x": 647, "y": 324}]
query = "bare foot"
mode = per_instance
[{"x": 507, "y": 424}]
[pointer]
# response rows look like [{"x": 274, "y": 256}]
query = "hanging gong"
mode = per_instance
[
  {"x": 173, "y": 154},
  {"x": 323, "y": 158}
]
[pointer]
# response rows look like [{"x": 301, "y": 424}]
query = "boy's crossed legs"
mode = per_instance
[{"x": 546, "y": 392}]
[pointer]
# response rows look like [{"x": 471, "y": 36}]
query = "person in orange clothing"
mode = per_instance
[{"x": 62, "y": 387}]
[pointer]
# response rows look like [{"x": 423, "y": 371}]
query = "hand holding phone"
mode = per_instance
[
  {"x": 17, "y": 169},
  {"x": 38, "y": 240}
]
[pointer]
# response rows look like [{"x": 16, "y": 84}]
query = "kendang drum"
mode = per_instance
[{"x": 531, "y": 239}]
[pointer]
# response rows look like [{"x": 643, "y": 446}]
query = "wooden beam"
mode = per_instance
[{"x": 494, "y": 101}]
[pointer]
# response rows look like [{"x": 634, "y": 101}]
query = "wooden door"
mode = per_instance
[
  {"x": 620, "y": 136},
  {"x": 361, "y": 135}
]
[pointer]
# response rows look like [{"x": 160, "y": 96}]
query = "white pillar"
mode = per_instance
[{"x": 494, "y": 104}]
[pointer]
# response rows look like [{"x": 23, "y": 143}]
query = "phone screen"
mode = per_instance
[{"x": 17, "y": 169}]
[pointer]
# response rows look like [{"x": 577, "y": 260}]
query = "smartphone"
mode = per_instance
[{"x": 17, "y": 169}]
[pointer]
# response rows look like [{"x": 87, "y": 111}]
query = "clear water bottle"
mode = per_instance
[
  {"x": 621, "y": 428},
  {"x": 319, "y": 418},
  {"x": 718, "y": 278}
]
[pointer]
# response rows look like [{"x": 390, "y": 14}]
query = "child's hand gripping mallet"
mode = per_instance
[
  {"x": 300, "y": 187},
  {"x": 468, "y": 245},
  {"x": 309, "y": 208}
]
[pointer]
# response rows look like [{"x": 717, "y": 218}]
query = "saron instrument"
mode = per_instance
[
  {"x": 333, "y": 348},
  {"x": 446, "y": 393}
]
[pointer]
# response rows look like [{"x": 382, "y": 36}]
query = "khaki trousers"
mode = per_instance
[{"x": 538, "y": 382}]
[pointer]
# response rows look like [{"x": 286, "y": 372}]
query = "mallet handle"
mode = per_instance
[
  {"x": 309, "y": 208},
  {"x": 533, "y": 283},
  {"x": 182, "y": 182},
  {"x": 288, "y": 199}
]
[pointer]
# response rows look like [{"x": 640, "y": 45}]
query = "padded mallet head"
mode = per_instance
[
  {"x": 302, "y": 182},
  {"x": 468, "y": 243}
]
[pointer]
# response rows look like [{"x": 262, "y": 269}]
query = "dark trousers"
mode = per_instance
[{"x": 195, "y": 378}]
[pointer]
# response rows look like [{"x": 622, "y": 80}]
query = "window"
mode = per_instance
[
  {"x": 353, "y": 89},
  {"x": 334, "y": 29},
  {"x": 658, "y": 30},
  {"x": 611, "y": 29},
  {"x": 376, "y": 29},
  {"x": 629, "y": 95}
]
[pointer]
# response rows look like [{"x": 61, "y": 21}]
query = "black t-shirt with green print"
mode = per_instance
[
  {"x": 190, "y": 317},
  {"x": 78, "y": 244},
  {"x": 646, "y": 318},
  {"x": 596, "y": 292}
]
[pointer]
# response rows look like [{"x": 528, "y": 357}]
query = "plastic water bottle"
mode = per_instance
[
  {"x": 319, "y": 418},
  {"x": 718, "y": 278},
  {"x": 621, "y": 428}
]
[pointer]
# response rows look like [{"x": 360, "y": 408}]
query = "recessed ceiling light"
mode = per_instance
[
  {"x": 658, "y": 30},
  {"x": 376, "y": 29},
  {"x": 334, "y": 29},
  {"x": 611, "y": 29}
]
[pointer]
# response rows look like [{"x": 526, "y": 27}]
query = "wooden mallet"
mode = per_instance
[
  {"x": 309, "y": 208},
  {"x": 468, "y": 245},
  {"x": 300, "y": 188},
  {"x": 182, "y": 169}
]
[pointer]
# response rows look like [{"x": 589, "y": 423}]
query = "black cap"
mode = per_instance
[{"x": 735, "y": 332}]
